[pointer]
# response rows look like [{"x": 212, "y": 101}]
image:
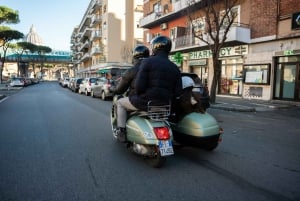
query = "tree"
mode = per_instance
[
  {"x": 8, "y": 16},
  {"x": 42, "y": 50},
  {"x": 21, "y": 48},
  {"x": 6, "y": 36},
  {"x": 211, "y": 26}
]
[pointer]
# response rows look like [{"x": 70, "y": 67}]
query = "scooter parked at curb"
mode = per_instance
[{"x": 148, "y": 133}]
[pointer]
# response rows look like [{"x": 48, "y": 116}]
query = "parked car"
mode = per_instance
[
  {"x": 75, "y": 84},
  {"x": 86, "y": 85},
  {"x": 65, "y": 82},
  {"x": 103, "y": 88},
  {"x": 17, "y": 82},
  {"x": 71, "y": 81}
]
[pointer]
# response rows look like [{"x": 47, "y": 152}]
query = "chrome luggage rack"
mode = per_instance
[{"x": 158, "y": 112}]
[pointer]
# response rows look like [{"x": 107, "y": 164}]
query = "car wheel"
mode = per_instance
[{"x": 103, "y": 96}]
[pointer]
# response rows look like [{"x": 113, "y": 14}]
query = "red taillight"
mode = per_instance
[
  {"x": 89, "y": 83},
  {"x": 108, "y": 83},
  {"x": 162, "y": 133}
]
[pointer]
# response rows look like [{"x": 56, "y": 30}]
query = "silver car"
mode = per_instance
[
  {"x": 103, "y": 88},
  {"x": 86, "y": 85}
]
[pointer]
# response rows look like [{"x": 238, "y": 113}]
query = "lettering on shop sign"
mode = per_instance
[{"x": 224, "y": 52}]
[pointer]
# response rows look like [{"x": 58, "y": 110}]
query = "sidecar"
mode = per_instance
[{"x": 199, "y": 130}]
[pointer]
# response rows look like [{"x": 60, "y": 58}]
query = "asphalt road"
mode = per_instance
[{"x": 57, "y": 145}]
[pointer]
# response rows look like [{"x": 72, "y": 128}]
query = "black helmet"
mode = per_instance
[
  {"x": 161, "y": 43},
  {"x": 140, "y": 51}
]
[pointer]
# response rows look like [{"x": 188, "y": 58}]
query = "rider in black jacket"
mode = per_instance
[{"x": 159, "y": 79}]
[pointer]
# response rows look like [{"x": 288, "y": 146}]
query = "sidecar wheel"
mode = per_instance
[{"x": 157, "y": 161}]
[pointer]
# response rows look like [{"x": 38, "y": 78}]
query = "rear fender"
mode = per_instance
[{"x": 140, "y": 130}]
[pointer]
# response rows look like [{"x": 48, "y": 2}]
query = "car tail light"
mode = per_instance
[
  {"x": 162, "y": 133},
  {"x": 108, "y": 83},
  {"x": 206, "y": 90},
  {"x": 89, "y": 83},
  {"x": 221, "y": 131}
]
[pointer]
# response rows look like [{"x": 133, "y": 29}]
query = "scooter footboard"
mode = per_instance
[{"x": 140, "y": 130}]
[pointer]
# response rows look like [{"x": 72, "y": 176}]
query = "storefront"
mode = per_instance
[
  {"x": 200, "y": 68},
  {"x": 287, "y": 76},
  {"x": 231, "y": 80},
  {"x": 231, "y": 76}
]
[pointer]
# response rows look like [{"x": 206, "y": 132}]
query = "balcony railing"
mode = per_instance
[
  {"x": 96, "y": 34},
  {"x": 178, "y": 6},
  {"x": 96, "y": 19},
  {"x": 85, "y": 57},
  {"x": 84, "y": 45},
  {"x": 96, "y": 4},
  {"x": 236, "y": 33},
  {"x": 96, "y": 50}
]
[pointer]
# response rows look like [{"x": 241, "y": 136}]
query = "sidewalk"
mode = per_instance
[
  {"x": 6, "y": 90},
  {"x": 232, "y": 103}
]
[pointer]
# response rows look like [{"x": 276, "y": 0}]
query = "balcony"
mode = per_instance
[
  {"x": 236, "y": 34},
  {"x": 96, "y": 19},
  {"x": 96, "y": 34},
  {"x": 96, "y": 50},
  {"x": 149, "y": 18},
  {"x": 85, "y": 57},
  {"x": 95, "y": 4},
  {"x": 154, "y": 19},
  {"x": 86, "y": 44}
]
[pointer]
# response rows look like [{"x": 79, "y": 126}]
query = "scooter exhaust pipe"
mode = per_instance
[{"x": 140, "y": 149}]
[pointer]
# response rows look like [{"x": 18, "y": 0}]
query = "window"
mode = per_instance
[
  {"x": 155, "y": 35},
  {"x": 173, "y": 33},
  {"x": 157, "y": 9},
  {"x": 232, "y": 14},
  {"x": 198, "y": 24},
  {"x": 257, "y": 74}
]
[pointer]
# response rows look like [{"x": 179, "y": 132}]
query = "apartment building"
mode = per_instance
[
  {"x": 261, "y": 55},
  {"x": 106, "y": 35}
]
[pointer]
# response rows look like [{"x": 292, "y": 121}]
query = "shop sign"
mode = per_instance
[
  {"x": 224, "y": 52},
  {"x": 201, "y": 62},
  {"x": 288, "y": 52}
]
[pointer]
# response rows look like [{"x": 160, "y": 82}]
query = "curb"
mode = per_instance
[
  {"x": 2, "y": 96},
  {"x": 224, "y": 106}
]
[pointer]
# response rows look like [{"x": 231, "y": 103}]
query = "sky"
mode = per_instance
[{"x": 54, "y": 20}]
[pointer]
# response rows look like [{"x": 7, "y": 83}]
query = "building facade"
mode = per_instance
[
  {"x": 261, "y": 55},
  {"x": 106, "y": 35}
]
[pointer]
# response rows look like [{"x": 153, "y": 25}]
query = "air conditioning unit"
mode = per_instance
[{"x": 163, "y": 26}]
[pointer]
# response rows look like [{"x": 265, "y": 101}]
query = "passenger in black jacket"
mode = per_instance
[
  {"x": 128, "y": 79},
  {"x": 127, "y": 83},
  {"x": 158, "y": 80}
]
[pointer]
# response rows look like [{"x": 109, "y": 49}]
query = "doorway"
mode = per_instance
[{"x": 287, "y": 82}]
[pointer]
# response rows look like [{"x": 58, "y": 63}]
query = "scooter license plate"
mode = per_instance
[{"x": 166, "y": 148}]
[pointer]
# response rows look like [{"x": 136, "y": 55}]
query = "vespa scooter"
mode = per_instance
[{"x": 148, "y": 133}]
